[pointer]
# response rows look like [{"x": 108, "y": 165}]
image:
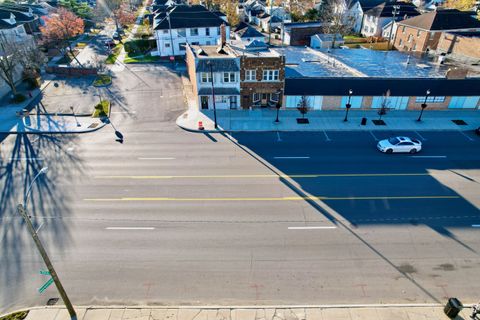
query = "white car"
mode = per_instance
[{"x": 399, "y": 144}]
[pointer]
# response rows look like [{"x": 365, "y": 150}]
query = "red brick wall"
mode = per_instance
[{"x": 462, "y": 47}]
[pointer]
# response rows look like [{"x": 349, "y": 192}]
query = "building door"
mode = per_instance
[
  {"x": 233, "y": 102},
  {"x": 264, "y": 99},
  {"x": 204, "y": 101}
]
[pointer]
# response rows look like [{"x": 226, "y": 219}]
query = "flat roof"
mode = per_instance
[{"x": 308, "y": 62}]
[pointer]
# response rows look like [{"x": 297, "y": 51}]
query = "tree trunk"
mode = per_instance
[{"x": 73, "y": 55}]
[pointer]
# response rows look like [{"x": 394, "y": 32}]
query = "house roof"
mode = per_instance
[
  {"x": 218, "y": 65},
  {"x": 183, "y": 16},
  {"x": 378, "y": 86},
  {"x": 328, "y": 37},
  {"x": 367, "y": 4},
  {"x": 240, "y": 26},
  {"x": 274, "y": 19},
  {"x": 386, "y": 10},
  {"x": 451, "y": 19},
  {"x": 4, "y": 24},
  {"x": 21, "y": 16},
  {"x": 249, "y": 32}
]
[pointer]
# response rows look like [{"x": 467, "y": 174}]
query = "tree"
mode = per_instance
[
  {"x": 59, "y": 29},
  {"x": 9, "y": 62},
  {"x": 463, "y": 5},
  {"x": 311, "y": 15},
  {"x": 335, "y": 21},
  {"x": 123, "y": 15},
  {"x": 303, "y": 105},
  {"x": 231, "y": 11},
  {"x": 81, "y": 9},
  {"x": 385, "y": 105}
]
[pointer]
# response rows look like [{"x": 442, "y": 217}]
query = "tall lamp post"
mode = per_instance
[
  {"x": 394, "y": 13},
  {"x": 209, "y": 63},
  {"x": 424, "y": 105},
  {"x": 23, "y": 212},
  {"x": 348, "y": 105},
  {"x": 278, "y": 105}
]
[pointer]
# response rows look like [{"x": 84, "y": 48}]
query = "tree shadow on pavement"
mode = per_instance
[{"x": 47, "y": 201}]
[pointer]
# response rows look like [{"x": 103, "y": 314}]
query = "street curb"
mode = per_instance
[{"x": 56, "y": 132}]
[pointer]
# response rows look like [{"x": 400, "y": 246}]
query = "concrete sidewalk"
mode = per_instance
[
  {"x": 390, "y": 312},
  {"x": 49, "y": 124},
  {"x": 264, "y": 120}
]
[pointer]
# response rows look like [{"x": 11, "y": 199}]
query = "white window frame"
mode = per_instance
[
  {"x": 256, "y": 97},
  {"x": 182, "y": 44},
  {"x": 251, "y": 75},
  {"x": 207, "y": 31},
  {"x": 229, "y": 77},
  {"x": 182, "y": 32},
  {"x": 205, "y": 77},
  {"x": 194, "y": 34},
  {"x": 430, "y": 99},
  {"x": 270, "y": 75}
]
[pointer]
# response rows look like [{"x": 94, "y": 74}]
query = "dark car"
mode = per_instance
[{"x": 477, "y": 131}]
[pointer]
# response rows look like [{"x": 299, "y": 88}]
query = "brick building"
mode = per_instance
[
  {"x": 460, "y": 46},
  {"x": 250, "y": 74},
  {"x": 299, "y": 33},
  {"x": 423, "y": 33}
]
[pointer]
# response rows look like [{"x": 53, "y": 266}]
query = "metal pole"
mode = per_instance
[
  {"x": 48, "y": 263},
  {"x": 213, "y": 97},
  {"x": 171, "y": 37},
  {"x": 348, "y": 105},
  {"x": 270, "y": 23},
  {"x": 394, "y": 12},
  {"x": 424, "y": 105}
]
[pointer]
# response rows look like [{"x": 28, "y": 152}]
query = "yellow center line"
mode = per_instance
[
  {"x": 267, "y": 176},
  {"x": 275, "y": 198}
]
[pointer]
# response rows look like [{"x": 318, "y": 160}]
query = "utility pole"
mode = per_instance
[
  {"x": 270, "y": 23},
  {"x": 394, "y": 13},
  {"x": 171, "y": 37},
  {"x": 209, "y": 63},
  {"x": 48, "y": 263}
]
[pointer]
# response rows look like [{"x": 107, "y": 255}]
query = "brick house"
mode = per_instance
[
  {"x": 460, "y": 46},
  {"x": 299, "y": 33},
  {"x": 423, "y": 33},
  {"x": 250, "y": 74}
]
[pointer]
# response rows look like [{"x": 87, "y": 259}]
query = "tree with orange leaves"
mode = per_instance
[
  {"x": 60, "y": 28},
  {"x": 123, "y": 15}
]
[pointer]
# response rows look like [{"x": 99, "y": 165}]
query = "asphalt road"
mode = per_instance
[{"x": 171, "y": 217}]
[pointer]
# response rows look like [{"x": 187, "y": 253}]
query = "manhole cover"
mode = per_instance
[
  {"x": 52, "y": 301},
  {"x": 379, "y": 122},
  {"x": 93, "y": 125},
  {"x": 459, "y": 122}
]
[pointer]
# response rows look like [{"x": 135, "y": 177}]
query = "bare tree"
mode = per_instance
[
  {"x": 303, "y": 105},
  {"x": 9, "y": 63},
  {"x": 335, "y": 18},
  {"x": 384, "y": 107}
]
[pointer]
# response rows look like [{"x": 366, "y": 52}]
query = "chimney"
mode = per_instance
[{"x": 223, "y": 35}]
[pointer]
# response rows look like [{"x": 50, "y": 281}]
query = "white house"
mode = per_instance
[
  {"x": 356, "y": 10},
  {"x": 378, "y": 17},
  {"x": 247, "y": 33},
  {"x": 183, "y": 24}
]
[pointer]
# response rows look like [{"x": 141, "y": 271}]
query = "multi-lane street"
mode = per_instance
[{"x": 172, "y": 217}]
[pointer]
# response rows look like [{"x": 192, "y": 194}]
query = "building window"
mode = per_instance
[
  {"x": 431, "y": 99},
  {"x": 419, "y": 33},
  {"x": 432, "y": 35},
  {"x": 182, "y": 32},
  {"x": 164, "y": 31},
  {"x": 410, "y": 37},
  {"x": 400, "y": 43},
  {"x": 229, "y": 77},
  {"x": 270, "y": 75},
  {"x": 205, "y": 77},
  {"x": 167, "y": 45},
  {"x": 194, "y": 31},
  {"x": 250, "y": 75},
  {"x": 256, "y": 97},
  {"x": 403, "y": 29},
  {"x": 414, "y": 48},
  {"x": 371, "y": 29},
  {"x": 221, "y": 99},
  {"x": 182, "y": 46},
  {"x": 207, "y": 31},
  {"x": 275, "y": 97},
  {"x": 195, "y": 43}
]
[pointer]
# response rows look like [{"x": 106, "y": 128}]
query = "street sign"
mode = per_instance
[
  {"x": 45, "y": 273},
  {"x": 46, "y": 285}
]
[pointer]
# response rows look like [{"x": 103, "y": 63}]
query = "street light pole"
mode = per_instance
[
  {"x": 394, "y": 13},
  {"x": 23, "y": 212},
  {"x": 348, "y": 105},
  {"x": 424, "y": 105},
  {"x": 209, "y": 63},
  {"x": 278, "y": 105}
]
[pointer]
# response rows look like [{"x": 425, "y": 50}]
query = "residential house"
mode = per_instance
[
  {"x": 326, "y": 41},
  {"x": 268, "y": 22},
  {"x": 244, "y": 75},
  {"x": 299, "y": 33},
  {"x": 379, "y": 16},
  {"x": 250, "y": 10},
  {"x": 23, "y": 15},
  {"x": 460, "y": 46},
  {"x": 162, "y": 5},
  {"x": 423, "y": 33},
  {"x": 183, "y": 24},
  {"x": 356, "y": 10},
  {"x": 247, "y": 33}
]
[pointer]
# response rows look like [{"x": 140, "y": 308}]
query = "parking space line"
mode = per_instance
[
  {"x": 421, "y": 137},
  {"x": 374, "y": 137},
  {"x": 465, "y": 135},
  {"x": 279, "y": 139},
  {"x": 429, "y": 157},
  {"x": 327, "y": 138},
  {"x": 312, "y": 228}
]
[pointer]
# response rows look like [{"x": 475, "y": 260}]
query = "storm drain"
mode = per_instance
[
  {"x": 379, "y": 122},
  {"x": 93, "y": 125},
  {"x": 52, "y": 301},
  {"x": 459, "y": 122}
]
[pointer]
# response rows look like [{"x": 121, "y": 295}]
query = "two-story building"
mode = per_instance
[
  {"x": 356, "y": 11},
  {"x": 181, "y": 25},
  {"x": 239, "y": 75},
  {"x": 376, "y": 18},
  {"x": 423, "y": 33}
]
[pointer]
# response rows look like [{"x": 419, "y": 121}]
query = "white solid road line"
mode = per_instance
[
  {"x": 374, "y": 137},
  {"x": 476, "y": 225},
  {"x": 312, "y": 228},
  {"x": 327, "y": 138},
  {"x": 421, "y": 137},
  {"x": 291, "y": 157},
  {"x": 442, "y": 157},
  {"x": 466, "y": 136},
  {"x": 130, "y": 228},
  {"x": 156, "y": 158}
]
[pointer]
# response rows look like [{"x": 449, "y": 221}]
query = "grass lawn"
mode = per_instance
[
  {"x": 115, "y": 53},
  {"x": 101, "y": 109},
  {"x": 140, "y": 59},
  {"x": 102, "y": 80},
  {"x": 15, "y": 316},
  {"x": 81, "y": 45}
]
